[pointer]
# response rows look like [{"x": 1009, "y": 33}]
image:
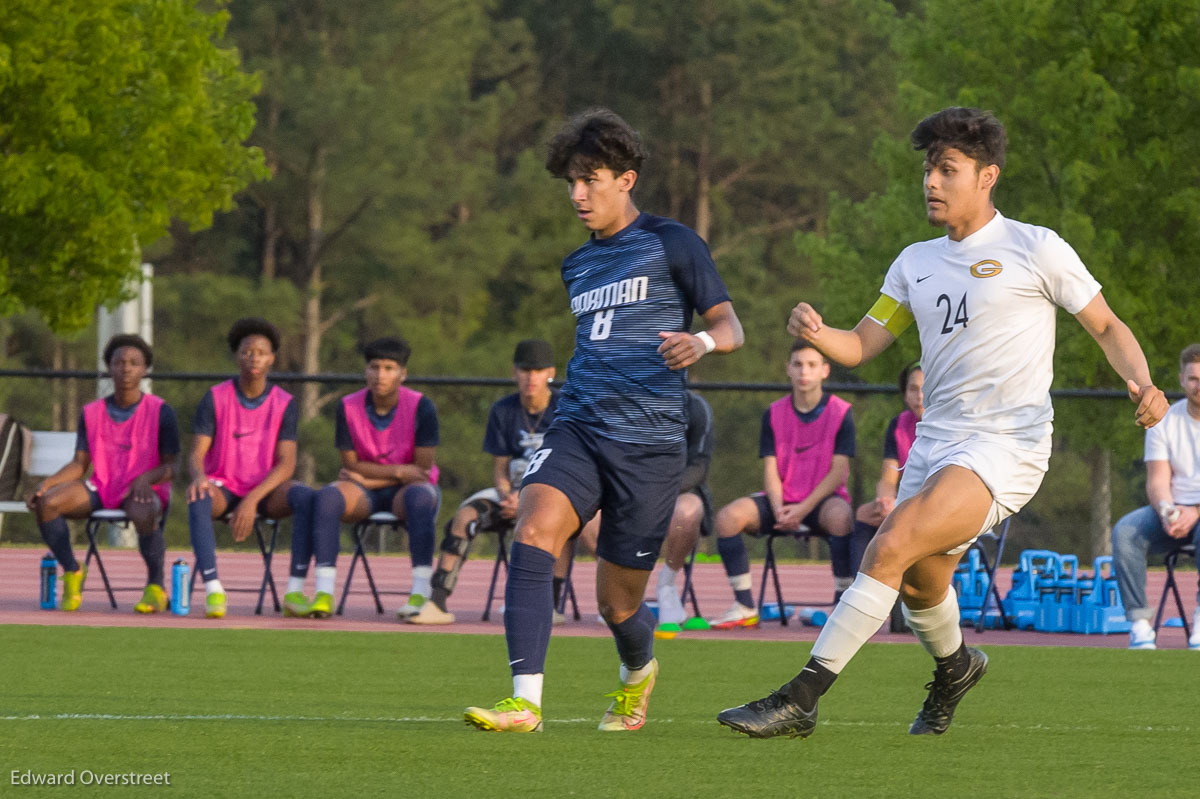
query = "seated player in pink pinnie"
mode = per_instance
[
  {"x": 130, "y": 441},
  {"x": 243, "y": 454},
  {"x": 387, "y": 435}
]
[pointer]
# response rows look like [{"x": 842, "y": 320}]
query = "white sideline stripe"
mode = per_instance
[{"x": 426, "y": 719}]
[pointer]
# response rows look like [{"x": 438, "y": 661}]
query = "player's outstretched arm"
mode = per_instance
[
  {"x": 1126, "y": 357},
  {"x": 724, "y": 334},
  {"x": 850, "y": 348}
]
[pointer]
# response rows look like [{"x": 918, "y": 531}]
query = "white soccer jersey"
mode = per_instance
[
  {"x": 985, "y": 312},
  {"x": 1176, "y": 440}
]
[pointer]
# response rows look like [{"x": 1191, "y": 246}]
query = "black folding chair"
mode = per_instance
[
  {"x": 502, "y": 560},
  {"x": 267, "y": 549},
  {"x": 376, "y": 521},
  {"x": 568, "y": 592},
  {"x": 689, "y": 588},
  {"x": 92, "y": 528},
  {"x": 990, "y": 564},
  {"x": 771, "y": 569},
  {"x": 1172, "y": 587}
]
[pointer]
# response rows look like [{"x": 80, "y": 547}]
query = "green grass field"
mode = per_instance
[{"x": 332, "y": 714}]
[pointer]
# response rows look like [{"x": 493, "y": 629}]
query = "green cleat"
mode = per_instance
[
  {"x": 411, "y": 608},
  {"x": 296, "y": 605},
  {"x": 628, "y": 709},
  {"x": 72, "y": 596},
  {"x": 509, "y": 715},
  {"x": 154, "y": 600},
  {"x": 214, "y": 606},
  {"x": 322, "y": 606}
]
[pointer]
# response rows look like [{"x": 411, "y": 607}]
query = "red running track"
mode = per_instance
[{"x": 802, "y": 585}]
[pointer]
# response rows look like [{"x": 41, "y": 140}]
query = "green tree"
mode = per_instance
[
  {"x": 115, "y": 117},
  {"x": 1101, "y": 99}
]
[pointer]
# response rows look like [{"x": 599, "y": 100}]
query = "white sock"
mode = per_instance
[
  {"x": 842, "y": 583},
  {"x": 864, "y": 607},
  {"x": 295, "y": 585},
  {"x": 937, "y": 628},
  {"x": 741, "y": 582},
  {"x": 421, "y": 576},
  {"x": 666, "y": 576},
  {"x": 528, "y": 687},
  {"x": 213, "y": 587},
  {"x": 637, "y": 675},
  {"x": 326, "y": 577}
]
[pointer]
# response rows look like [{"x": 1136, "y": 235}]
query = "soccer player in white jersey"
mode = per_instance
[{"x": 984, "y": 299}]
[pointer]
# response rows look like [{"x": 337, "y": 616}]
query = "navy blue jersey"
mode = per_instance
[
  {"x": 891, "y": 449},
  {"x": 204, "y": 423},
  {"x": 514, "y": 433},
  {"x": 426, "y": 433},
  {"x": 624, "y": 290},
  {"x": 168, "y": 427},
  {"x": 699, "y": 442},
  {"x": 843, "y": 444}
]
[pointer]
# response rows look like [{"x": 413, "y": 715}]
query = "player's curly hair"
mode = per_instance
[
  {"x": 128, "y": 340},
  {"x": 976, "y": 134},
  {"x": 595, "y": 139},
  {"x": 390, "y": 347},
  {"x": 252, "y": 326}
]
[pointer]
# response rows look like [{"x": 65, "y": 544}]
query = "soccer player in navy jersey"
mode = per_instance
[
  {"x": 243, "y": 454},
  {"x": 130, "y": 442},
  {"x": 617, "y": 443},
  {"x": 515, "y": 428}
]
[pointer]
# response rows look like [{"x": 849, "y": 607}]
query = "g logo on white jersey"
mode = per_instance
[{"x": 987, "y": 268}]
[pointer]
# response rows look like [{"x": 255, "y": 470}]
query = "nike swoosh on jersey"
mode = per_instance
[
  {"x": 644, "y": 554},
  {"x": 798, "y": 450},
  {"x": 924, "y": 278},
  {"x": 241, "y": 435}
]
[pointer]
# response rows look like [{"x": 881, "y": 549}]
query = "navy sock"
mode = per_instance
[
  {"x": 420, "y": 512},
  {"x": 839, "y": 556},
  {"x": 528, "y": 605},
  {"x": 57, "y": 536},
  {"x": 300, "y": 499},
  {"x": 204, "y": 537},
  {"x": 733, "y": 556},
  {"x": 558, "y": 585},
  {"x": 860, "y": 536},
  {"x": 328, "y": 510},
  {"x": 154, "y": 550},
  {"x": 635, "y": 638}
]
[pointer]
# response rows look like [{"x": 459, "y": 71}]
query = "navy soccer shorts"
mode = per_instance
[
  {"x": 766, "y": 517},
  {"x": 634, "y": 487},
  {"x": 381, "y": 500}
]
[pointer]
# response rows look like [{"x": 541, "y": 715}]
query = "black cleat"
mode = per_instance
[
  {"x": 771, "y": 716},
  {"x": 945, "y": 694}
]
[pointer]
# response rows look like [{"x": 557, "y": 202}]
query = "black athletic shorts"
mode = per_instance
[{"x": 634, "y": 486}]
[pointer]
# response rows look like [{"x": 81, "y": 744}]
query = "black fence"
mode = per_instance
[{"x": 1059, "y": 517}]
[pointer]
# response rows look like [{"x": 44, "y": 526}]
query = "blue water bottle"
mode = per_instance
[
  {"x": 180, "y": 599},
  {"x": 48, "y": 593},
  {"x": 812, "y": 617}
]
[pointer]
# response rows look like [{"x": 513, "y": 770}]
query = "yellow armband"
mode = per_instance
[{"x": 894, "y": 317}]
